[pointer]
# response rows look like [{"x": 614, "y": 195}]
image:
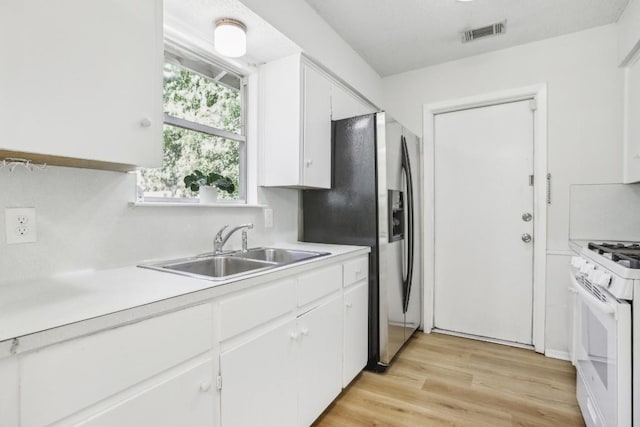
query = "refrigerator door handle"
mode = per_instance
[{"x": 407, "y": 281}]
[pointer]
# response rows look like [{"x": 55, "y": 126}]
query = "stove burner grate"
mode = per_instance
[{"x": 627, "y": 254}]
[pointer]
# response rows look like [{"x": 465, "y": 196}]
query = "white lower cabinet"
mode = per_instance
[
  {"x": 9, "y": 386},
  {"x": 287, "y": 369},
  {"x": 356, "y": 309},
  {"x": 319, "y": 359},
  {"x": 181, "y": 400},
  {"x": 275, "y": 354},
  {"x": 126, "y": 370},
  {"x": 258, "y": 380},
  {"x": 287, "y": 375}
]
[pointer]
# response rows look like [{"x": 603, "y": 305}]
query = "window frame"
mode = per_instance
[{"x": 170, "y": 54}]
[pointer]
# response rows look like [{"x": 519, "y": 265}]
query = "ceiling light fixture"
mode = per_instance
[{"x": 230, "y": 37}]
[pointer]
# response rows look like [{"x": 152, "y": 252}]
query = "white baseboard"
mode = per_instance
[{"x": 556, "y": 354}]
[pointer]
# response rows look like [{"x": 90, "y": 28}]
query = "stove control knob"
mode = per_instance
[
  {"x": 593, "y": 276},
  {"x": 604, "y": 280}
]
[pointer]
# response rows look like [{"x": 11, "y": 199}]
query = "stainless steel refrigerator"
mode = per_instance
[{"x": 375, "y": 201}]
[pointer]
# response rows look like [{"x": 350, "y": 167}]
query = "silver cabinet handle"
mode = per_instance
[
  {"x": 526, "y": 237},
  {"x": 526, "y": 217}
]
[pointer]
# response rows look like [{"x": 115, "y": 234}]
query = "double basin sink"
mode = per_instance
[{"x": 233, "y": 264}]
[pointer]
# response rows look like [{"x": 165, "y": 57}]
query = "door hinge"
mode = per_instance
[
  {"x": 219, "y": 382},
  {"x": 533, "y": 104},
  {"x": 531, "y": 180}
]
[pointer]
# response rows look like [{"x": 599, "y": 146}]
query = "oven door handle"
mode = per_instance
[{"x": 590, "y": 299}]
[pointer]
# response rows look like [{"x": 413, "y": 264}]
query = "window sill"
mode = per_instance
[{"x": 193, "y": 205}]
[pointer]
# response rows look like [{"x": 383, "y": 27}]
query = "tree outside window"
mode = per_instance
[{"x": 203, "y": 130}]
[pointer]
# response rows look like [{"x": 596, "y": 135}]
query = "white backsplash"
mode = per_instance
[
  {"x": 84, "y": 221},
  {"x": 605, "y": 212}
]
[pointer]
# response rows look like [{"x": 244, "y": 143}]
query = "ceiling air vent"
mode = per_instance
[{"x": 479, "y": 33}]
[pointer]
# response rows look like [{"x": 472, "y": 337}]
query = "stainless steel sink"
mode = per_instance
[
  {"x": 232, "y": 264},
  {"x": 279, "y": 256},
  {"x": 213, "y": 267}
]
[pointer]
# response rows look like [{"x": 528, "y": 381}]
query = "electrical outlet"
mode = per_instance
[
  {"x": 20, "y": 225},
  {"x": 268, "y": 218}
]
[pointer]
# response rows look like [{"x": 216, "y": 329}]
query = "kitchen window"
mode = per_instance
[{"x": 203, "y": 130}]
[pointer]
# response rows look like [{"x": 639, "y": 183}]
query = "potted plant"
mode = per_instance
[{"x": 208, "y": 185}]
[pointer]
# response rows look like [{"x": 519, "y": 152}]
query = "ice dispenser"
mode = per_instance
[{"x": 396, "y": 215}]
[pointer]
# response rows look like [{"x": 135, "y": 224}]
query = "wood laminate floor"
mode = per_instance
[{"x": 441, "y": 380}]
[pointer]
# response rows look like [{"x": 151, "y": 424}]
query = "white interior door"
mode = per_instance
[{"x": 483, "y": 265}]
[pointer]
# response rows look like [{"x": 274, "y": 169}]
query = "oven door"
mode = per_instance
[{"x": 603, "y": 358}]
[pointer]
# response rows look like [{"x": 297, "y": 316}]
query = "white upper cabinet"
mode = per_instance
[
  {"x": 298, "y": 102},
  {"x": 83, "y": 80},
  {"x": 316, "y": 129},
  {"x": 632, "y": 123},
  {"x": 296, "y": 124}
]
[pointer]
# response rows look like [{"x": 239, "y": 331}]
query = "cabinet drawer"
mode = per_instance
[
  {"x": 319, "y": 283},
  {"x": 243, "y": 312},
  {"x": 65, "y": 378},
  {"x": 356, "y": 270}
]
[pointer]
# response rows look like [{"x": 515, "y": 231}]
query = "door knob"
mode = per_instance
[
  {"x": 526, "y": 237},
  {"x": 526, "y": 217}
]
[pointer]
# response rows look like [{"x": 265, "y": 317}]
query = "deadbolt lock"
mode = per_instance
[
  {"x": 526, "y": 217},
  {"x": 526, "y": 237}
]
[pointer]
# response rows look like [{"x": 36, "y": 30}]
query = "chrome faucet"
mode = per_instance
[{"x": 219, "y": 240}]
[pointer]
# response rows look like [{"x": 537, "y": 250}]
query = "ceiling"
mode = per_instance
[
  {"x": 394, "y": 36},
  {"x": 196, "y": 18}
]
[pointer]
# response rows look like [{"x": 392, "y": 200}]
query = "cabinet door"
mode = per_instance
[
  {"x": 320, "y": 359},
  {"x": 316, "y": 170},
  {"x": 9, "y": 392},
  {"x": 183, "y": 400},
  {"x": 258, "y": 380},
  {"x": 356, "y": 316},
  {"x": 632, "y": 123},
  {"x": 82, "y": 79}
]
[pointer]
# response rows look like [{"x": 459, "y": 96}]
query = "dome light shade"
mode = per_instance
[{"x": 230, "y": 37}]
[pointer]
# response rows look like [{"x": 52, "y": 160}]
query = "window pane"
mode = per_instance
[
  {"x": 189, "y": 96},
  {"x": 185, "y": 151}
]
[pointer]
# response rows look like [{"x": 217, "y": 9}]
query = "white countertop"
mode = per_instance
[{"x": 42, "y": 311}]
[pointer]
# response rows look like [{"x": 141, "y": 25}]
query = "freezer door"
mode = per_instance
[{"x": 400, "y": 306}]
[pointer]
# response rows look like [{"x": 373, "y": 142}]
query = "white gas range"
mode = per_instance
[{"x": 606, "y": 336}]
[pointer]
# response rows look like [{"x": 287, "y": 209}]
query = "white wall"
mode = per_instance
[
  {"x": 584, "y": 121},
  {"x": 584, "y": 105},
  {"x": 84, "y": 221},
  {"x": 300, "y": 23},
  {"x": 605, "y": 212}
]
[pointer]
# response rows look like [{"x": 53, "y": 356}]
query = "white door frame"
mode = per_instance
[{"x": 539, "y": 94}]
